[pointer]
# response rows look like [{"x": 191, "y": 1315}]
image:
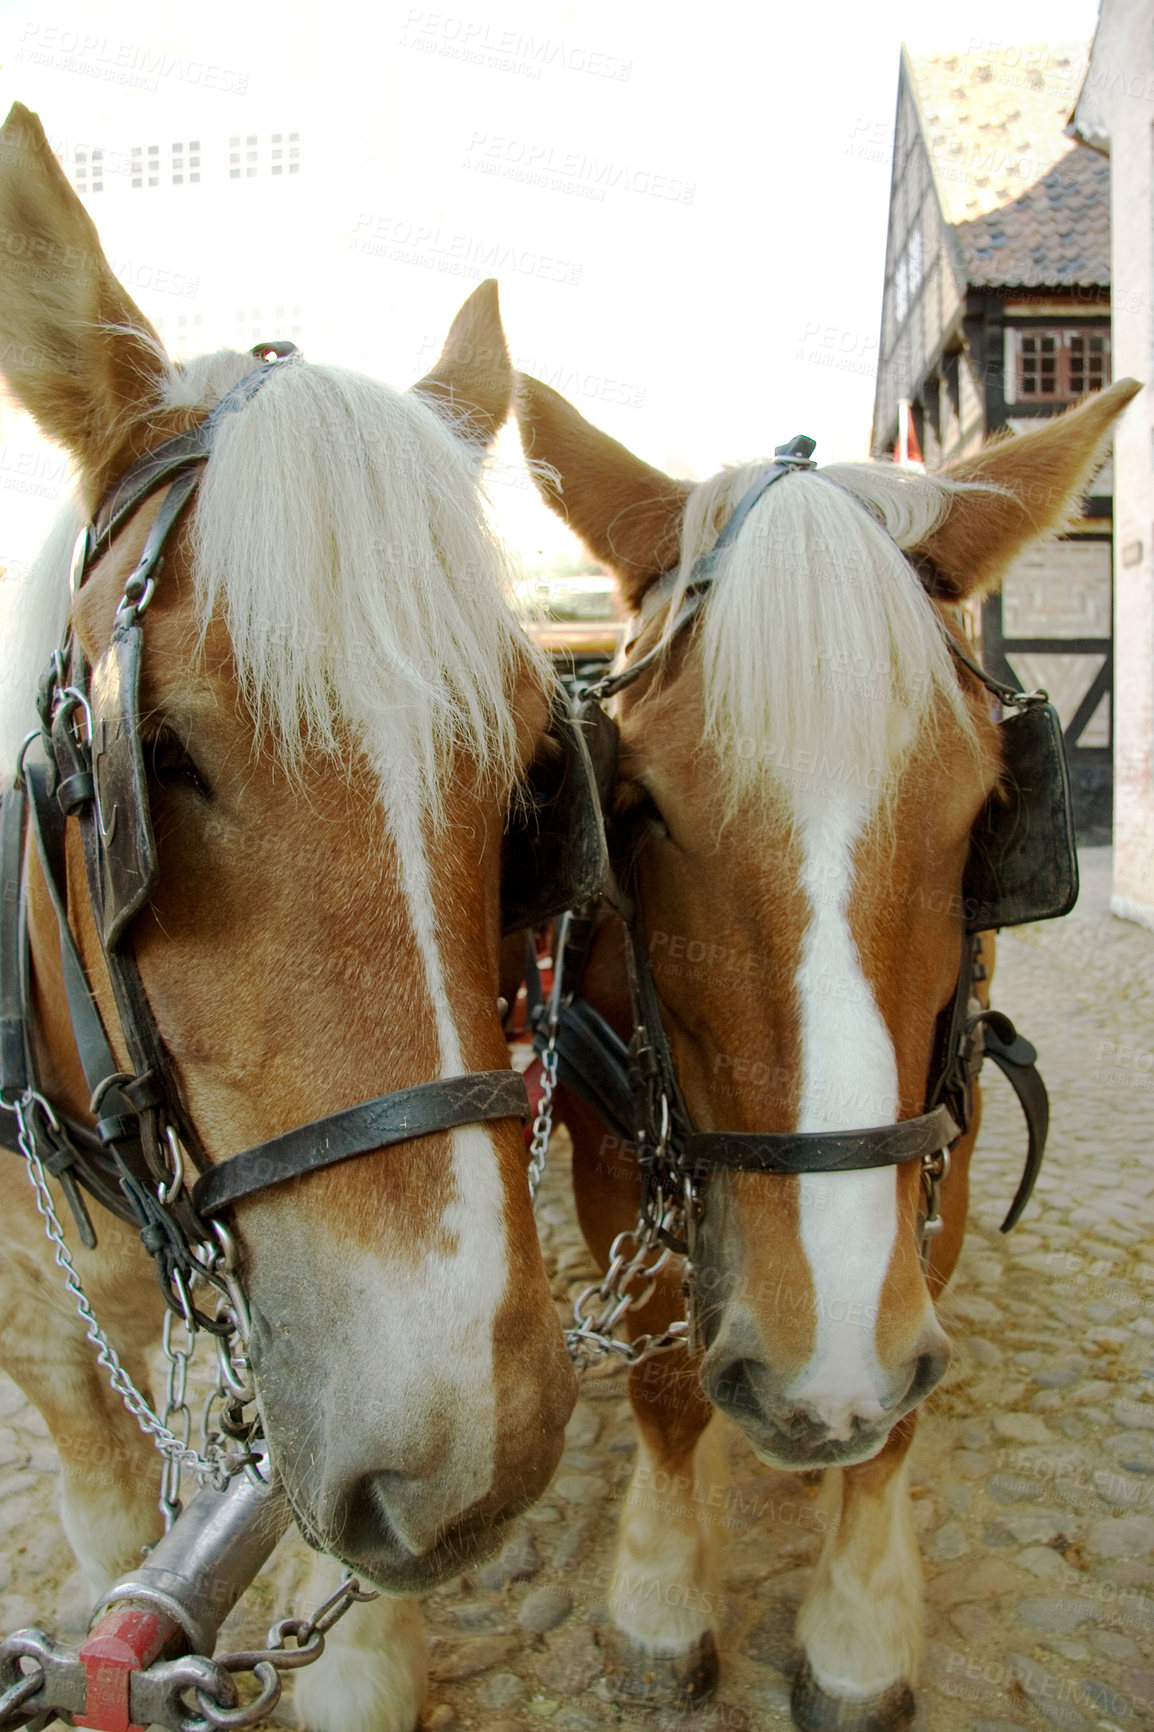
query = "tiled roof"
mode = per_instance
[{"x": 1027, "y": 206}]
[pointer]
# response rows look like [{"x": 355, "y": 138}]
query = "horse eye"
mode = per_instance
[
  {"x": 635, "y": 804},
  {"x": 170, "y": 764}
]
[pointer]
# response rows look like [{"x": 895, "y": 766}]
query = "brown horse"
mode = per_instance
[
  {"x": 336, "y": 705},
  {"x": 800, "y": 769}
]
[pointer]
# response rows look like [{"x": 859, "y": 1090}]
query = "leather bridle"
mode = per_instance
[
  {"x": 635, "y": 1086},
  {"x": 132, "y": 1160}
]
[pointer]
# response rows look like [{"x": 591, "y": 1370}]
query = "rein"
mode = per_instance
[
  {"x": 135, "y": 1160},
  {"x": 635, "y": 1087}
]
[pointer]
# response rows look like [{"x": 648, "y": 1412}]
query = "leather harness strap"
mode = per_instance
[
  {"x": 823, "y": 1151},
  {"x": 74, "y": 1153},
  {"x": 1017, "y": 1060},
  {"x": 377, "y": 1124},
  {"x": 13, "y": 1056}
]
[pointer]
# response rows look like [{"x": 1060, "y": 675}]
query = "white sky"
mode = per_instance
[{"x": 716, "y": 290}]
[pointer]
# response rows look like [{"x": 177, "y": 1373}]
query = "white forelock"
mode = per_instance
[
  {"x": 821, "y": 651},
  {"x": 341, "y": 535}
]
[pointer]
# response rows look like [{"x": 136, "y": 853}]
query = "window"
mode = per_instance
[
  {"x": 88, "y": 171},
  {"x": 186, "y": 163},
  {"x": 244, "y": 155},
  {"x": 1089, "y": 361},
  {"x": 908, "y": 276},
  {"x": 1053, "y": 365}
]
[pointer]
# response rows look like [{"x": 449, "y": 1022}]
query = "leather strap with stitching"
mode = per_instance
[
  {"x": 377, "y": 1124},
  {"x": 823, "y": 1151},
  {"x": 13, "y": 1053}
]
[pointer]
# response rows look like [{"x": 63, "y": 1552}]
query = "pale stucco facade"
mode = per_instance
[{"x": 1115, "y": 114}]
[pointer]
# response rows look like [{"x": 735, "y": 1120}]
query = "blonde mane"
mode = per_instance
[
  {"x": 340, "y": 534},
  {"x": 821, "y": 653}
]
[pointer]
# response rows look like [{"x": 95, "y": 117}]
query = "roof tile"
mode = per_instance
[{"x": 1028, "y": 207}]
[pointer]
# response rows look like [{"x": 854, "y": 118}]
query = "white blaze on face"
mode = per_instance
[
  {"x": 450, "y": 1311},
  {"x": 849, "y": 1081}
]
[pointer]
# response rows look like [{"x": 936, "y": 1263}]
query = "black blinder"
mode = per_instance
[
  {"x": 1023, "y": 864},
  {"x": 554, "y": 853},
  {"x": 128, "y": 849}
]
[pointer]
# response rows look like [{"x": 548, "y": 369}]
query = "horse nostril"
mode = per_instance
[
  {"x": 928, "y": 1373},
  {"x": 733, "y": 1390},
  {"x": 360, "y": 1515}
]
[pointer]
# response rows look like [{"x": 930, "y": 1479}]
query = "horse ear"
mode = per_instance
[
  {"x": 1040, "y": 474},
  {"x": 627, "y": 513},
  {"x": 75, "y": 350},
  {"x": 473, "y": 379}
]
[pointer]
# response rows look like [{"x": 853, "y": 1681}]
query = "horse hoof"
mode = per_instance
[
  {"x": 815, "y": 1710},
  {"x": 665, "y": 1680}
]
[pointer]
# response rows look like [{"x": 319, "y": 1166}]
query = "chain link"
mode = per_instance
[
  {"x": 175, "y": 1409},
  {"x": 267, "y": 1663},
  {"x": 14, "y": 1698},
  {"x": 215, "y": 1462},
  {"x": 543, "y": 1123},
  {"x": 591, "y": 1338}
]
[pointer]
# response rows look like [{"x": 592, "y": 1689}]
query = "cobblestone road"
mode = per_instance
[{"x": 1033, "y": 1469}]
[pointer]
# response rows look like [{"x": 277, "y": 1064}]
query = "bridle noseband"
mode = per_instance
[{"x": 133, "y": 1160}]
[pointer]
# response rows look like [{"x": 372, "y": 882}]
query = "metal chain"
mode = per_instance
[
  {"x": 175, "y": 1408},
  {"x": 543, "y": 1123},
  {"x": 215, "y": 1462},
  {"x": 162, "y": 1690},
  {"x": 14, "y": 1698},
  {"x": 591, "y": 1339},
  {"x": 266, "y": 1664}
]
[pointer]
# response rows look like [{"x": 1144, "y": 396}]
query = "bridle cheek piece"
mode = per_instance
[
  {"x": 133, "y": 1160},
  {"x": 1022, "y": 867}
]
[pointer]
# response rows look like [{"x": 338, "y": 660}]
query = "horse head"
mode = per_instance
[
  {"x": 802, "y": 760},
  {"x": 335, "y": 707}
]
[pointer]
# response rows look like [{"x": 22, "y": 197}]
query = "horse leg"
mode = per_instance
[
  {"x": 663, "y": 1595},
  {"x": 373, "y": 1671},
  {"x": 861, "y": 1624},
  {"x": 110, "y": 1472}
]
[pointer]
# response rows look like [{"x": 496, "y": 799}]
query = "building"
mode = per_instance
[
  {"x": 172, "y": 212},
  {"x": 1115, "y": 115},
  {"x": 996, "y": 311}
]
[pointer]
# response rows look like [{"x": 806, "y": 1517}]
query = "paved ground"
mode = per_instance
[{"x": 1034, "y": 1466}]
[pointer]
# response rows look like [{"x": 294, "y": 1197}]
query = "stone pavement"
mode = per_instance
[{"x": 1033, "y": 1469}]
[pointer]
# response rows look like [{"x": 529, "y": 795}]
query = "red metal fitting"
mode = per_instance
[{"x": 127, "y": 1639}]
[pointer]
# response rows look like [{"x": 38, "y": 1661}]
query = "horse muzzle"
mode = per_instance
[
  {"x": 801, "y": 1422},
  {"x": 405, "y": 1462}
]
